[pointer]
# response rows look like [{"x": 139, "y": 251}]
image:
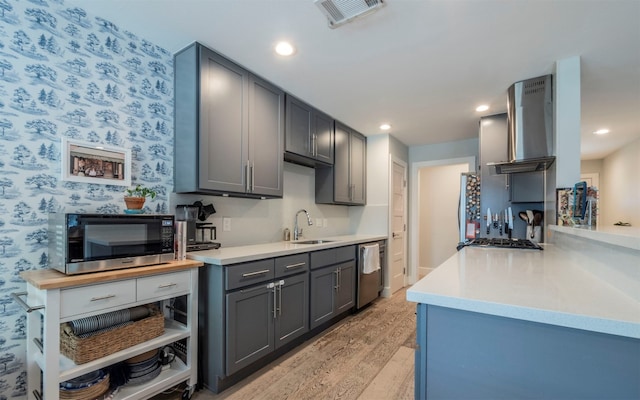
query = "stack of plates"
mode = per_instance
[
  {"x": 86, "y": 387},
  {"x": 143, "y": 368}
]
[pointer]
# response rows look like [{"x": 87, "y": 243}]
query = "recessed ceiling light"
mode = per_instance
[
  {"x": 601, "y": 132},
  {"x": 481, "y": 108},
  {"x": 285, "y": 49},
  {"x": 385, "y": 127}
]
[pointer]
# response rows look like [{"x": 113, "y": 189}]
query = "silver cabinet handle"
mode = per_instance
[
  {"x": 280, "y": 285},
  {"x": 249, "y": 274},
  {"x": 275, "y": 305},
  {"x": 247, "y": 184},
  {"x": 23, "y": 304},
  {"x": 167, "y": 285},
  {"x": 297, "y": 265},
  {"x": 253, "y": 182},
  {"x": 337, "y": 286},
  {"x": 109, "y": 296}
]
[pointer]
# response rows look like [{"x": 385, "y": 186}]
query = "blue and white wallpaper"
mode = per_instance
[{"x": 66, "y": 73}]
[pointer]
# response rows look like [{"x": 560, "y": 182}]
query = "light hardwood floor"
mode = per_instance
[{"x": 367, "y": 356}]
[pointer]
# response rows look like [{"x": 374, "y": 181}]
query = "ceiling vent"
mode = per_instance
[{"x": 339, "y": 12}]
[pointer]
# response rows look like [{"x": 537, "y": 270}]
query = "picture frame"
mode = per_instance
[{"x": 95, "y": 163}]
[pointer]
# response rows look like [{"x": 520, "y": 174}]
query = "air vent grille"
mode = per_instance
[{"x": 339, "y": 12}]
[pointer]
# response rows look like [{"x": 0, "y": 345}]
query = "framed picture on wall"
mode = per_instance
[{"x": 95, "y": 163}]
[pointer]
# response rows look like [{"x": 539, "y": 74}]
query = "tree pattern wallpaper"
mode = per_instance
[{"x": 66, "y": 73}]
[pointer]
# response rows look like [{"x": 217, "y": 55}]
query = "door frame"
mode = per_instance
[
  {"x": 414, "y": 208},
  {"x": 387, "y": 287}
]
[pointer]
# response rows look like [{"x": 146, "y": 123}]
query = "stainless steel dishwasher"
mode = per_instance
[{"x": 370, "y": 285}]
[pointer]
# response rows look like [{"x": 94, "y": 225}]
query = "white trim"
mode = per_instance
[
  {"x": 414, "y": 209},
  {"x": 387, "y": 288}
]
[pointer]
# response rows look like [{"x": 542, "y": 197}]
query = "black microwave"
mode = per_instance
[{"x": 83, "y": 243}]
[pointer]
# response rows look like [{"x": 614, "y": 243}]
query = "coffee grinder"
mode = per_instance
[{"x": 188, "y": 213}]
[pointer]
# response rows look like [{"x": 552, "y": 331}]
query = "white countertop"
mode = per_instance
[
  {"x": 625, "y": 236},
  {"x": 550, "y": 286},
  {"x": 232, "y": 255}
]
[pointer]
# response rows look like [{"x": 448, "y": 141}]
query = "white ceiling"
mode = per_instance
[{"x": 421, "y": 65}]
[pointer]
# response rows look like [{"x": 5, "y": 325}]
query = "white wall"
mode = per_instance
[
  {"x": 263, "y": 221},
  {"x": 620, "y": 186},
  {"x": 439, "y": 188}
]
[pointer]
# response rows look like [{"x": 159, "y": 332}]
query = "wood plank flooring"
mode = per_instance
[{"x": 368, "y": 356}]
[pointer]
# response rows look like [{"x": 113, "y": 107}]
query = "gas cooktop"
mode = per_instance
[{"x": 501, "y": 243}]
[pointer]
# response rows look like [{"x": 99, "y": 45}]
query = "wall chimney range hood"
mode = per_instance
[{"x": 530, "y": 127}]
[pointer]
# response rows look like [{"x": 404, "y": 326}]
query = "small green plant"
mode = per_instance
[{"x": 140, "y": 191}]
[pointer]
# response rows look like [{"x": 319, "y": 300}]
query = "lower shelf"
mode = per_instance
[
  {"x": 69, "y": 370},
  {"x": 178, "y": 372}
]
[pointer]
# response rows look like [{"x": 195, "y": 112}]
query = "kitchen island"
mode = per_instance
[{"x": 560, "y": 323}]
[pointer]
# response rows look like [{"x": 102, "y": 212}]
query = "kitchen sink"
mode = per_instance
[{"x": 315, "y": 241}]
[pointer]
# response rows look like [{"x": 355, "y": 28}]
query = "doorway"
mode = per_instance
[
  {"x": 397, "y": 253},
  {"x": 435, "y": 197}
]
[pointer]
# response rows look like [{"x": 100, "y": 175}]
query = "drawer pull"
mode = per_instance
[
  {"x": 25, "y": 306},
  {"x": 249, "y": 274},
  {"x": 301, "y": 264},
  {"x": 167, "y": 285},
  {"x": 109, "y": 296}
]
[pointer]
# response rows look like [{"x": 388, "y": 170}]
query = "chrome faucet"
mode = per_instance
[{"x": 297, "y": 232}]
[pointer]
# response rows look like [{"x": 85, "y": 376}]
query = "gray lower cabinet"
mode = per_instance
[
  {"x": 333, "y": 289},
  {"x": 229, "y": 128},
  {"x": 467, "y": 355},
  {"x": 250, "y": 311},
  {"x": 267, "y": 315},
  {"x": 345, "y": 181},
  {"x": 309, "y": 134}
]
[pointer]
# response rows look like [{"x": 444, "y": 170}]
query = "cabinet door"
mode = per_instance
[
  {"x": 266, "y": 137},
  {"x": 341, "y": 164},
  {"x": 358, "y": 168},
  {"x": 322, "y": 127},
  {"x": 223, "y": 149},
  {"x": 249, "y": 326},
  {"x": 298, "y": 127},
  {"x": 323, "y": 288},
  {"x": 292, "y": 310},
  {"x": 346, "y": 294}
]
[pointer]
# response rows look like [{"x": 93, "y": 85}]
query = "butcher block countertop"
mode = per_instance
[
  {"x": 555, "y": 286},
  {"x": 46, "y": 279}
]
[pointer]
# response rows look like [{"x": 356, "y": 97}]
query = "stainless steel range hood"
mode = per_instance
[{"x": 530, "y": 127}]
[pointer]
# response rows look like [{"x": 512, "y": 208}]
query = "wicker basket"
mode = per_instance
[
  {"x": 89, "y": 393},
  {"x": 83, "y": 350}
]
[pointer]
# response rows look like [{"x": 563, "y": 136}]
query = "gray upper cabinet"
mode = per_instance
[
  {"x": 229, "y": 128},
  {"x": 309, "y": 134},
  {"x": 345, "y": 181}
]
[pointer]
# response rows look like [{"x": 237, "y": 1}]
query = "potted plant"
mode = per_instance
[{"x": 135, "y": 198}]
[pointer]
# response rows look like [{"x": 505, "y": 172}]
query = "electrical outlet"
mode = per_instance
[
  {"x": 324, "y": 222},
  {"x": 226, "y": 224},
  {"x": 319, "y": 222}
]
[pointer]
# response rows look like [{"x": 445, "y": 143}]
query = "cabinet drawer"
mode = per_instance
[
  {"x": 92, "y": 298},
  {"x": 239, "y": 275},
  {"x": 323, "y": 258},
  {"x": 290, "y": 265},
  {"x": 173, "y": 284},
  {"x": 336, "y": 255},
  {"x": 345, "y": 253}
]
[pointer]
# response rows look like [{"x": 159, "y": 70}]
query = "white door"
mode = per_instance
[{"x": 397, "y": 243}]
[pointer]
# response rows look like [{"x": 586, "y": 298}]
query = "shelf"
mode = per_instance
[
  {"x": 173, "y": 331},
  {"x": 178, "y": 372}
]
